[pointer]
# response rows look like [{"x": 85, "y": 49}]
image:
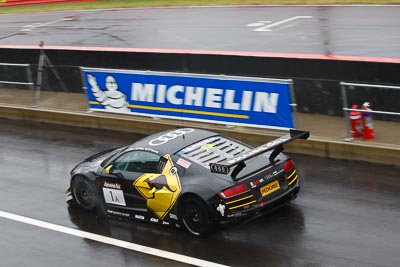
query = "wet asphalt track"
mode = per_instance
[
  {"x": 372, "y": 31},
  {"x": 346, "y": 215}
]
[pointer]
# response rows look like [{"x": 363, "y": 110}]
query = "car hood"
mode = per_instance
[{"x": 94, "y": 162}]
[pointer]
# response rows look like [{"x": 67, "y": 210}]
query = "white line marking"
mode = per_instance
[
  {"x": 28, "y": 28},
  {"x": 259, "y": 23},
  {"x": 268, "y": 27},
  {"x": 110, "y": 241}
]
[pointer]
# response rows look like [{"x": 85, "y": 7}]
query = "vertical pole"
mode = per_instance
[
  {"x": 39, "y": 74},
  {"x": 294, "y": 105},
  {"x": 55, "y": 73},
  {"x": 345, "y": 112},
  {"x": 31, "y": 85}
]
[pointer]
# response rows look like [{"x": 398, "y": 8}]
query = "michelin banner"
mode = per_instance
[{"x": 209, "y": 98}]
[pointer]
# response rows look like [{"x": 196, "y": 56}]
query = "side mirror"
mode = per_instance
[{"x": 109, "y": 169}]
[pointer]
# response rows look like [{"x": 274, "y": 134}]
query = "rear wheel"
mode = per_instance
[
  {"x": 195, "y": 216},
  {"x": 84, "y": 192}
]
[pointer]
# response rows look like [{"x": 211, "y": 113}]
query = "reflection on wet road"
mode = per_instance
[{"x": 346, "y": 214}]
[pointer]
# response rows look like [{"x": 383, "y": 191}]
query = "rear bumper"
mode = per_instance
[
  {"x": 261, "y": 207},
  {"x": 271, "y": 206}
]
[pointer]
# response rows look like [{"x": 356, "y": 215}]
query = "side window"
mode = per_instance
[{"x": 137, "y": 161}]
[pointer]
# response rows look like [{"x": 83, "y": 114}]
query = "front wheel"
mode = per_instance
[
  {"x": 84, "y": 193},
  {"x": 195, "y": 217}
]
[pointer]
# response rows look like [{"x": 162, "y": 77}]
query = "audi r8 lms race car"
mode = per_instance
[{"x": 190, "y": 177}]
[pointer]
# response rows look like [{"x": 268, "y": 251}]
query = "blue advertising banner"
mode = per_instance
[{"x": 209, "y": 98}]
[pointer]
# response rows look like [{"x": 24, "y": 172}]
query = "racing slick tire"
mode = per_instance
[
  {"x": 196, "y": 217},
  {"x": 85, "y": 194}
]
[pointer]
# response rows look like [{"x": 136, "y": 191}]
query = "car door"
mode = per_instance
[{"x": 118, "y": 178}]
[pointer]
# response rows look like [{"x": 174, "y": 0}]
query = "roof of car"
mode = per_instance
[{"x": 171, "y": 141}]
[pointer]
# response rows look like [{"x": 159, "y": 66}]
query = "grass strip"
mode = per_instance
[{"x": 107, "y": 4}]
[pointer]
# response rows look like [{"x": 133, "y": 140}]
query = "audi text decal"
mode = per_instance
[{"x": 169, "y": 136}]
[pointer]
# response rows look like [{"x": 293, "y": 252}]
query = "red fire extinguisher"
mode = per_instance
[
  {"x": 356, "y": 122},
  {"x": 367, "y": 122}
]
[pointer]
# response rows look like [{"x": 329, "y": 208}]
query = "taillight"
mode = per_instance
[
  {"x": 288, "y": 166},
  {"x": 234, "y": 191}
]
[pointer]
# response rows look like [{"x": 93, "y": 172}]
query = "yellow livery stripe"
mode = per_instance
[
  {"x": 290, "y": 176},
  {"x": 216, "y": 114},
  {"x": 237, "y": 200},
  {"x": 295, "y": 178},
  {"x": 236, "y": 207}
]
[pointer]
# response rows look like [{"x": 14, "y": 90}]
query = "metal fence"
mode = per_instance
[
  {"x": 29, "y": 81},
  {"x": 346, "y": 108}
]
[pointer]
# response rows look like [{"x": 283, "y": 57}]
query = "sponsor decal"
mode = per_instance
[
  {"x": 140, "y": 217},
  {"x": 269, "y": 188},
  {"x": 118, "y": 213},
  {"x": 114, "y": 196},
  {"x": 238, "y": 214},
  {"x": 111, "y": 97},
  {"x": 173, "y": 216},
  {"x": 212, "y": 98},
  {"x": 146, "y": 149},
  {"x": 255, "y": 183},
  {"x": 173, "y": 171},
  {"x": 221, "y": 209},
  {"x": 259, "y": 149},
  {"x": 169, "y": 136},
  {"x": 160, "y": 190},
  {"x": 217, "y": 98},
  {"x": 218, "y": 168},
  {"x": 184, "y": 163},
  {"x": 112, "y": 185},
  {"x": 197, "y": 145},
  {"x": 273, "y": 174}
]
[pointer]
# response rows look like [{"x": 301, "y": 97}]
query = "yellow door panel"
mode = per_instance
[{"x": 160, "y": 190}]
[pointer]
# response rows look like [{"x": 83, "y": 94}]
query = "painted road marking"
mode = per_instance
[
  {"x": 259, "y": 23},
  {"x": 267, "y": 28},
  {"x": 28, "y": 28},
  {"x": 110, "y": 241}
]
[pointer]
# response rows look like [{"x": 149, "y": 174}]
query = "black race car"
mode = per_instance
[{"x": 189, "y": 177}]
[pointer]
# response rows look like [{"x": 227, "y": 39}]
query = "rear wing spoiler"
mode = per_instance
[{"x": 225, "y": 166}]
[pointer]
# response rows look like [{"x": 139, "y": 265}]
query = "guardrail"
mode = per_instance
[
  {"x": 346, "y": 110},
  {"x": 29, "y": 83}
]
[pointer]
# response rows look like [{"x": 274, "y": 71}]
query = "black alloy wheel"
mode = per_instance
[
  {"x": 195, "y": 217},
  {"x": 84, "y": 193}
]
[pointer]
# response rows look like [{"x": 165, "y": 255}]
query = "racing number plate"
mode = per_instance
[{"x": 269, "y": 188}]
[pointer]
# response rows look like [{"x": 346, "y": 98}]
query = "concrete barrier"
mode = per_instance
[{"x": 142, "y": 125}]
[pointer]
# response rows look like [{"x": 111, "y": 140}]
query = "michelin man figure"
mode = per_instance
[{"x": 111, "y": 99}]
